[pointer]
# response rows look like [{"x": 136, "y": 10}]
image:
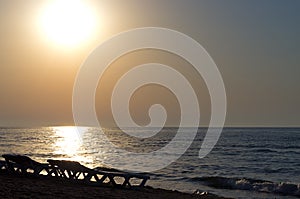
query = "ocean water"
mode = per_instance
[{"x": 245, "y": 163}]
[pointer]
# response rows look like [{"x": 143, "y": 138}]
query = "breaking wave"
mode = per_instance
[{"x": 282, "y": 188}]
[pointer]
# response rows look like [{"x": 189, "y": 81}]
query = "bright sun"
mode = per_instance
[{"x": 68, "y": 22}]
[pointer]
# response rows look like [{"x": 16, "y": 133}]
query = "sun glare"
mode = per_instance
[
  {"x": 68, "y": 22},
  {"x": 68, "y": 142}
]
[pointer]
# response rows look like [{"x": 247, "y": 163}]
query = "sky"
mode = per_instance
[{"x": 255, "y": 45}]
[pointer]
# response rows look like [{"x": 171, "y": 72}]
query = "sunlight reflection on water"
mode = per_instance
[{"x": 69, "y": 144}]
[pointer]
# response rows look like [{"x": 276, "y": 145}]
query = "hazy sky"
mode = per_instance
[{"x": 255, "y": 44}]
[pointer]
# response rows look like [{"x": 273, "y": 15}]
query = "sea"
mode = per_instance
[{"x": 245, "y": 162}]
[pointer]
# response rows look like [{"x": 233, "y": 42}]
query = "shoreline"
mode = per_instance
[{"x": 16, "y": 186}]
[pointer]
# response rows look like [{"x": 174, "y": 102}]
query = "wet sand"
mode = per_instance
[{"x": 12, "y": 186}]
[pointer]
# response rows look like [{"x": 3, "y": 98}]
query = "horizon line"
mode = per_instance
[{"x": 169, "y": 126}]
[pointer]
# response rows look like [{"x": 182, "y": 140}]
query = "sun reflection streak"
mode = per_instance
[{"x": 69, "y": 144}]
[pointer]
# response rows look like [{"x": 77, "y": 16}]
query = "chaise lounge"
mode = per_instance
[
  {"x": 23, "y": 165},
  {"x": 74, "y": 170}
]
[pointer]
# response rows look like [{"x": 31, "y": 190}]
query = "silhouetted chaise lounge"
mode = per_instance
[
  {"x": 126, "y": 177},
  {"x": 73, "y": 170},
  {"x": 22, "y": 164},
  {"x": 68, "y": 169}
]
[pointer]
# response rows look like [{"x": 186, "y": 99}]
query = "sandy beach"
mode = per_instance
[{"x": 12, "y": 186}]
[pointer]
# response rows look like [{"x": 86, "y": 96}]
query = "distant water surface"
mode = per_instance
[{"x": 245, "y": 163}]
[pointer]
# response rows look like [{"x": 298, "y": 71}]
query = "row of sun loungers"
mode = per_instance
[{"x": 23, "y": 165}]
